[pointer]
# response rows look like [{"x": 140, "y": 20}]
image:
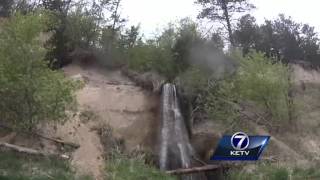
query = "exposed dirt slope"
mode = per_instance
[
  {"x": 118, "y": 102},
  {"x": 115, "y": 101}
]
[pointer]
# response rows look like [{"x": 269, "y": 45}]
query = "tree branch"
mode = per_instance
[
  {"x": 194, "y": 170},
  {"x": 43, "y": 137},
  {"x": 21, "y": 149}
]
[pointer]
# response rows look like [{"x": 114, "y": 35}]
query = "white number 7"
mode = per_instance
[{"x": 242, "y": 138}]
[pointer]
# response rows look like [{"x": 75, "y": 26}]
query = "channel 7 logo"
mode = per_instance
[{"x": 241, "y": 147}]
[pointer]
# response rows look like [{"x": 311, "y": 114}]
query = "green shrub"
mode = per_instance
[
  {"x": 221, "y": 101},
  {"x": 265, "y": 82},
  {"x": 141, "y": 57},
  {"x": 150, "y": 57},
  {"x": 259, "y": 80},
  {"x": 29, "y": 91}
]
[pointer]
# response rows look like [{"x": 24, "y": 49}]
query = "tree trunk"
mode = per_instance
[
  {"x": 113, "y": 28},
  {"x": 115, "y": 20},
  {"x": 227, "y": 18}
]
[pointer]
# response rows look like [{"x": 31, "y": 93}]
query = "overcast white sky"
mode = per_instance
[{"x": 154, "y": 14}]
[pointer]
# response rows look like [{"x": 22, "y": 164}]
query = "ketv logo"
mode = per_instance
[{"x": 240, "y": 146}]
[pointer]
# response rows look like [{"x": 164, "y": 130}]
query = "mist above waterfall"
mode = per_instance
[{"x": 212, "y": 60}]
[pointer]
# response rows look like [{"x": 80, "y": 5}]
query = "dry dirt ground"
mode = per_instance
[{"x": 108, "y": 98}]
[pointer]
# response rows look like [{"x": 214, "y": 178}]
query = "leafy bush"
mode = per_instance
[
  {"x": 148, "y": 57},
  {"x": 259, "y": 80},
  {"x": 265, "y": 82},
  {"x": 30, "y": 92},
  {"x": 221, "y": 100},
  {"x": 141, "y": 57}
]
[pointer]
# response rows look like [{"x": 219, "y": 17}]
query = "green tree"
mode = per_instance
[
  {"x": 6, "y": 7},
  {"x": 29, "y": 91},
  {"x": 58, "y": 43},
  {"x": 26, "y": 6},
  {"x": 223, "y": 11},
  {"x": 310, "y": 44},
  {"x": 82, "y": 29},
  {"x": 187, "y": 36},
  {"x": 130, "y": 38},
  {"x": 216, "y": 41},
  {"x": 113, "y": 30},
  {"x": 281, "y": 38},
  {"x": 247, "y": 33}
]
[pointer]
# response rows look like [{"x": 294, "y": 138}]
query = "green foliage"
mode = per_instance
[
  {"x": 221, "y": 100},
  {"x": 57, "y": 45},
  {"x": 187, "y": 36},
  {"x": 150, "y": 57},
  {"x": 169, "y": 53},
  {"x": 121, "y": 167},
  {"x": 265, "y": 82},
  {"x": 246, "y": 33},
  {"x": 6, "y": 7},
  {"x": 19, "y": 167},
  {"x": 223, "y": 12},
  {"x": 306, "y": 173},
  {"x": 30, "y": 92},
  {"x": 194, "y": 81},
  {"x": 130, "y": 38},
  {"x": 154, "y": 55},
  {"x": 258, "y": 79},
  {"x": 82, "y": 29},
  {"x": 282, "y": 38},
  {"x": 274, "y": 172},
  {"x": 261, "y": 172}
]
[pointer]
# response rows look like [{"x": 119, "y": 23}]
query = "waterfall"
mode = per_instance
[{"x": 175, "y": 148}]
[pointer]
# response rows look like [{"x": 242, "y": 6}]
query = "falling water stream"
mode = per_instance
[{"x": 175, "y": 148}]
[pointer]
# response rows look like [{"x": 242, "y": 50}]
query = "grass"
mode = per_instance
[
  {"x": 15, "y": 166},
  {"x": 122, "y": 167},
  {"x": 275, "y": 172}
]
